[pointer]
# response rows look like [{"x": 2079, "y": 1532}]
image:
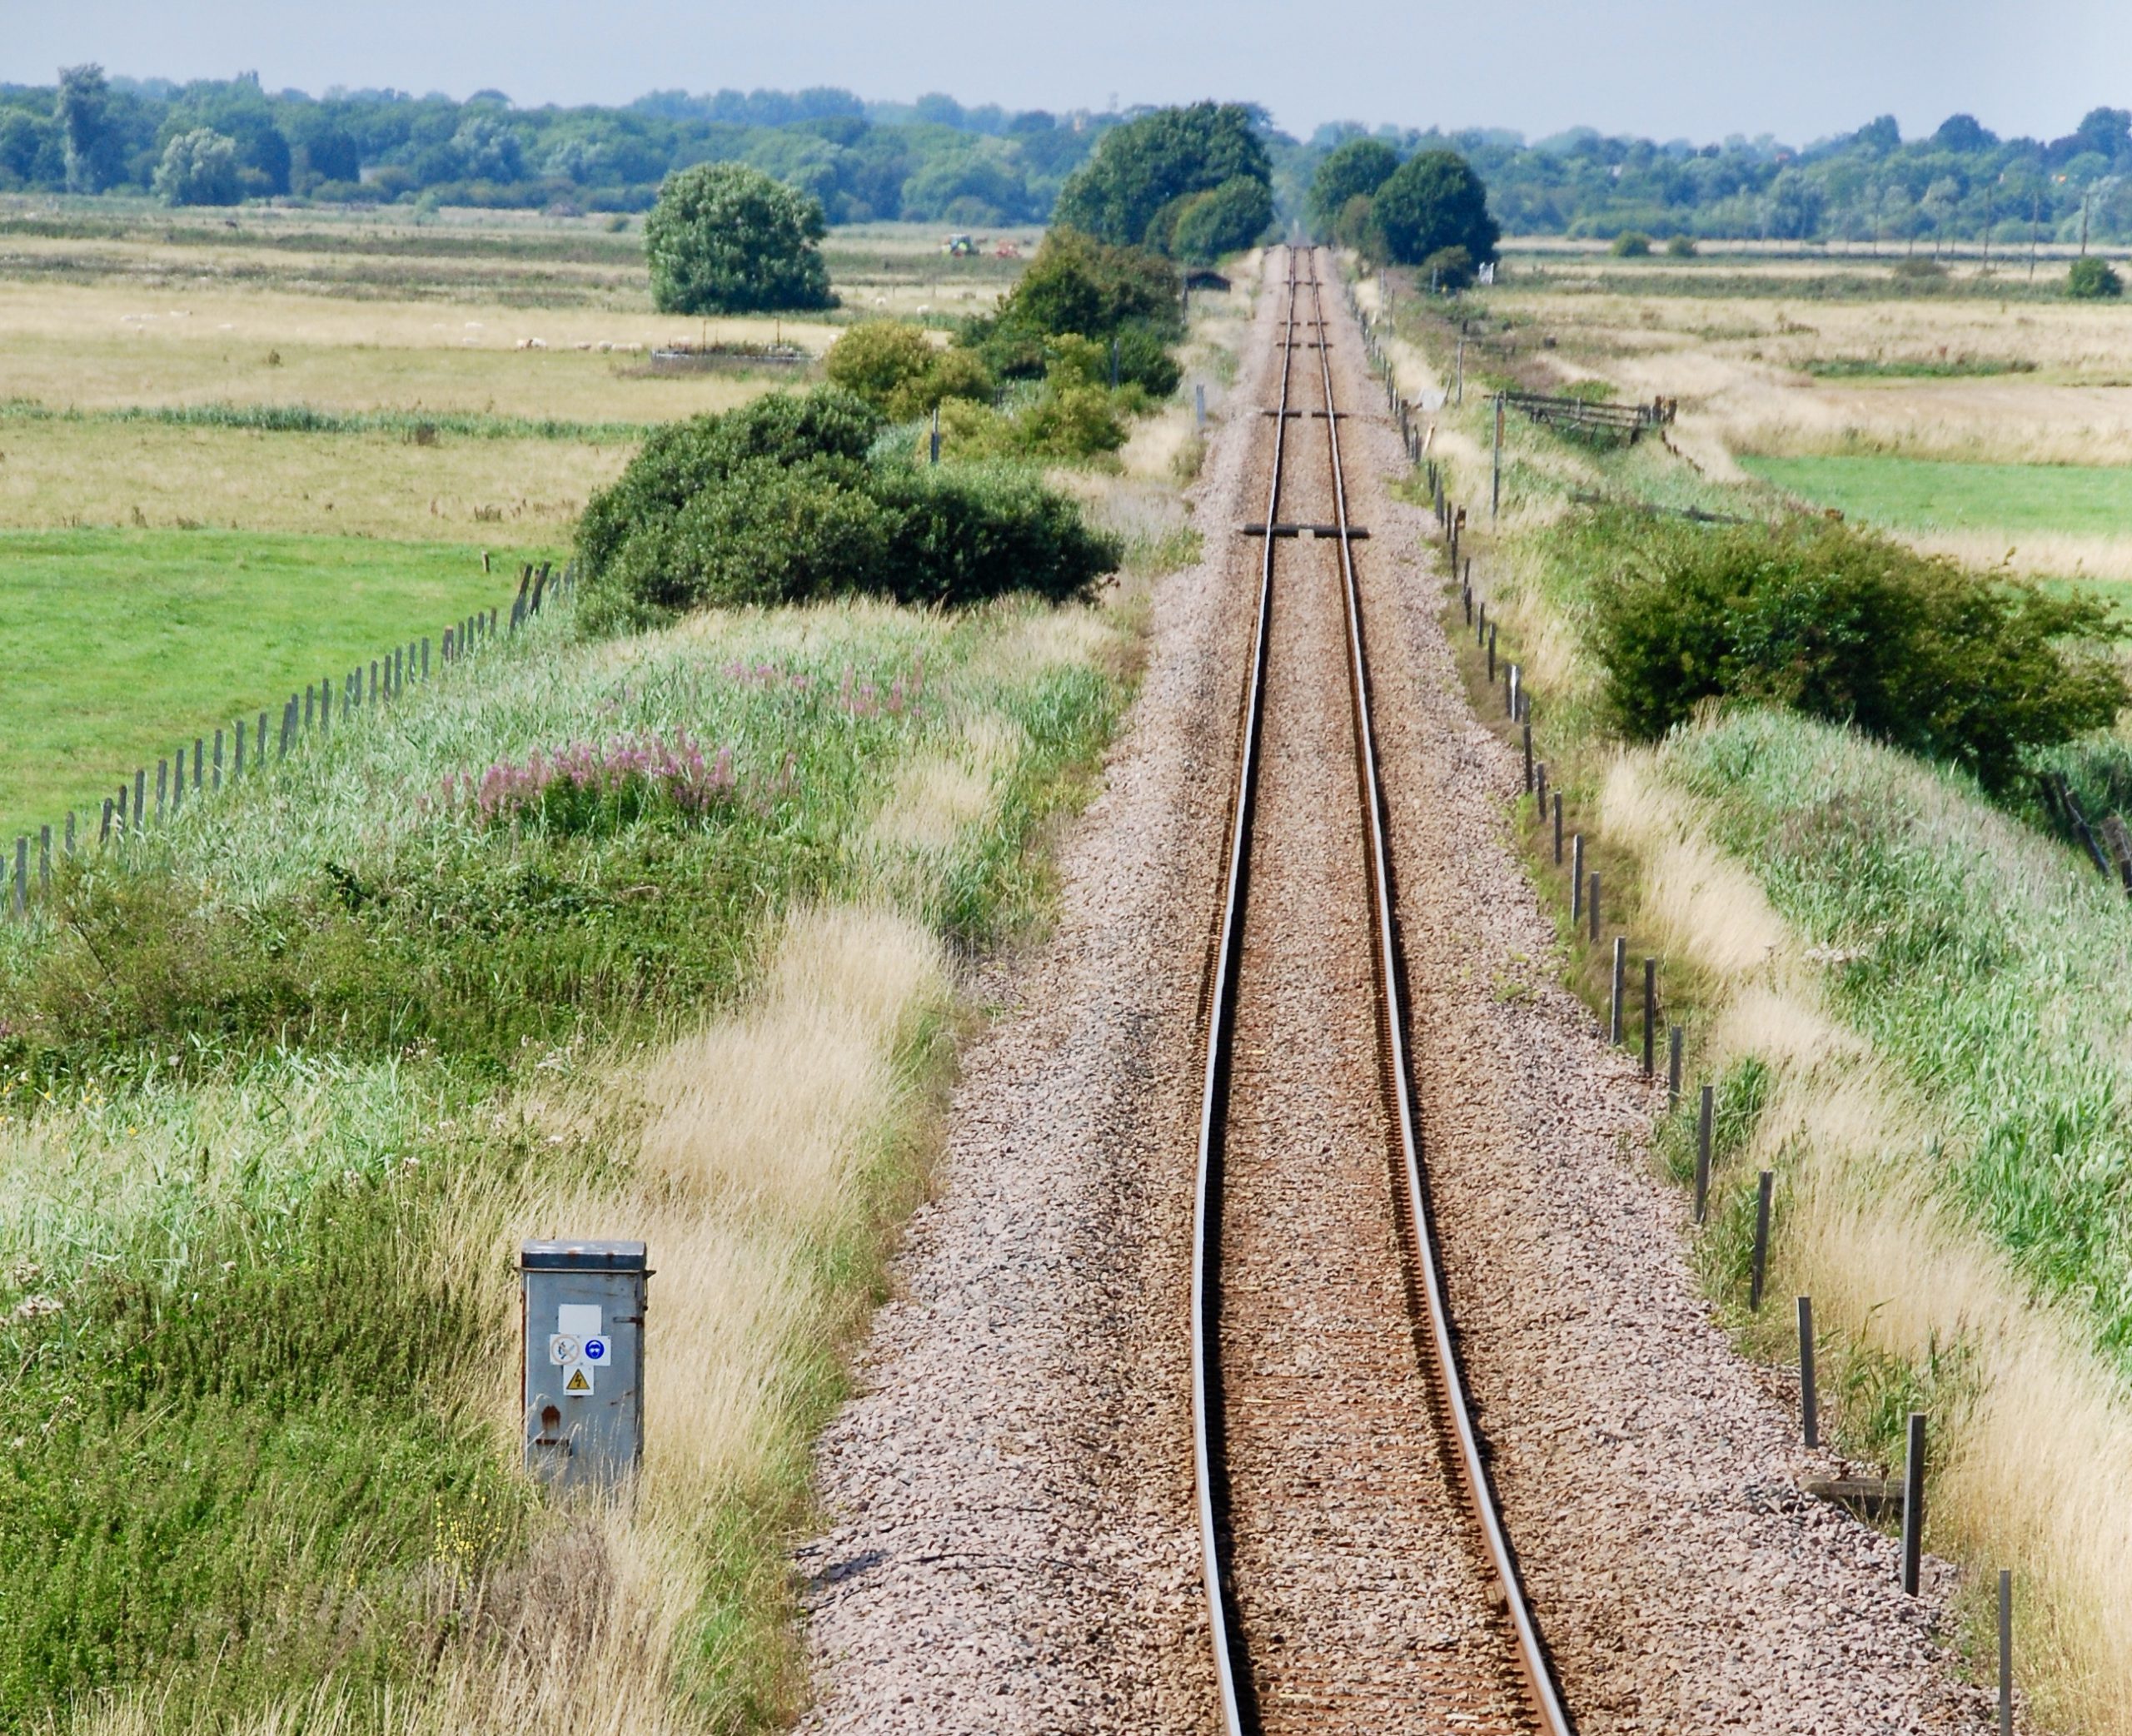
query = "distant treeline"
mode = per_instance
[
  {"x": 1869, "y": 185},
  {"x": 935, "y": 161},
  {"x": 932, "y": 160}
]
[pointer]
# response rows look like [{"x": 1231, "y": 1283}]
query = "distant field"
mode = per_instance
[
  {"x": 163, "y": 562},
  {"x": 121, "y": 643},
  {"x": 499, "y": 492},
  {"x": 1911, "y": 493}
]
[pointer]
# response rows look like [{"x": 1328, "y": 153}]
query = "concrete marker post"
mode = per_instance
[
  {"x": 1558, "y": 829},
  {"x": 2005, "y": 1652},
  {"x": 1592, "y": 902},
  {"x": 44, "y": 862},
  {"x": 1705, "y": 1117},
  {"x": 1620, "y": 970},
  {"x": 1577, "y": 880},
  {"x": 1913, "y": 1505},
  {"x": 1763, "y": 1190},
  {"x": 1809, "y": 1407},
  {"x": 1674, "y": 1040},
  {"x": 1650, "y": 1018}
]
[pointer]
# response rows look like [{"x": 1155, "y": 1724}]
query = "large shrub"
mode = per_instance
[
  {"x": 1225, "y": 220},
  {"x": 1079, "y": 286},
  {"x": 779, "y": 501},
  {"x": 1433, "y": 200},
  {"x": 725, "y": 238},
  {"x": 897, "y": 369},
  {"x": 2093, "y": 279},
  {"x": 1129, "y": 192},
  {"x": 1848, "y": 627}
]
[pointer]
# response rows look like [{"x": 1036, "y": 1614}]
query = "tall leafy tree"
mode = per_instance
[
  {"x": 1354, "y": 171},
  {"x": 1135, "y": 188},
  {"x": 725, "y": 238},
  {"x": 1433, "y": 202},
  {"x": 83, "y": 112}
]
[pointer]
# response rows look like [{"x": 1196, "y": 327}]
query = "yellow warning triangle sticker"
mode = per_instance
[{"x": 577, "y": 1382}]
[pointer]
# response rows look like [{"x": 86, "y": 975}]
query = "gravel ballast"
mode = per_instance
[{"x": 1014, "y": 1546}]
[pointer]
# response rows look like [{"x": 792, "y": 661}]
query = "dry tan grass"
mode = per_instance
[
  {"x": 743, "y": 1149},
  {"x": 54, "y": 474},
  {"x": 100, "y": 345},
  {"x": 2039, "y": 1437}
]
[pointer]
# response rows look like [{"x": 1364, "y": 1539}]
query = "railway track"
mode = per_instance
[{"x": 1357, "y": 1575}]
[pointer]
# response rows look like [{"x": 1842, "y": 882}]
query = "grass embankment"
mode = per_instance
[
  {"x": 1912, "y": 1005},
  {"x": 123, "y": 643},
  {"x": 285, "y": 1089}
]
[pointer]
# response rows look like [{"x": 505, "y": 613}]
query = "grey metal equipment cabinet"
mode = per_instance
[{"x": 581, "y": 1307}]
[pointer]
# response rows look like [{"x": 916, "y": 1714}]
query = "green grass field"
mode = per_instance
[
  {"x": 1910, "y": 494},
  {"x": 121, "y": 643}
]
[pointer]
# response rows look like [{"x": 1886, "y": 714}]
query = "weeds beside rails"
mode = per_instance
[{"x": 283, "y": 1085}]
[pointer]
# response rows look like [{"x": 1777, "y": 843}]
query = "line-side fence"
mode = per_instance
[{"x": 198, "y": 770}]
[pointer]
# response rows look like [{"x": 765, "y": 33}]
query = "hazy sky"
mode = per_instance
[{"x": 1666, "y": 68}]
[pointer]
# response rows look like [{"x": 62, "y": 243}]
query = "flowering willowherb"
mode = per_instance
[{"x": 585, "y": 783}]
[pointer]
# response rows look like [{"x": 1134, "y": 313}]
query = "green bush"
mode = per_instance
[
  {"x": 2093, "y": 279},
  {"x": 1631, "y": 244},
  {"x": 1227, "y": 220},
  {"x": 1680, "y": 246},
  {"x": 1448, "y": 268},
  {"x": 778, "y": 501},
  {"x": 1848, "y": 627},
  {"x": 682, "y": 458},
  {"x": 874, "y": 358},
  {"x": 1081, "y": 287},
  {"x": 898, "y": 369},
  {"x": 725, "y": 238}
]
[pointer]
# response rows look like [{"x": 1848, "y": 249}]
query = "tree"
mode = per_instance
[
  {"x": 1231, "y": 217},
  {"x": 1435, "y": 201},
  {"x": 1355, "y": 171},
  {"x": 2092, "y": 280},
  {"x": 199, "y": 167},
  {"x": 488, "y": 149},
  {"x": 725, "y": 238},
  {"x": 1964, "y": 134},
  {"x": 1134, "y": 190},
  {"x": 83, "y": 112}
]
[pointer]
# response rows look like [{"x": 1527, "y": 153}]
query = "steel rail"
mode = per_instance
[
  {"x": 1532, "y": 1655},
  {"x": 1229, "y": 1663},
  {"x": 1231, "y": 1667}
]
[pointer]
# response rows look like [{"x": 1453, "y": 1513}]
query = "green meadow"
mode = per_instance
[
  {"x": 123, "y": 643},
  {"x": 1913, "y": 494}
]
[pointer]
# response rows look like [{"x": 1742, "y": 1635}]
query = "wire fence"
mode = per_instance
[{"x": 198, "y": 771}]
